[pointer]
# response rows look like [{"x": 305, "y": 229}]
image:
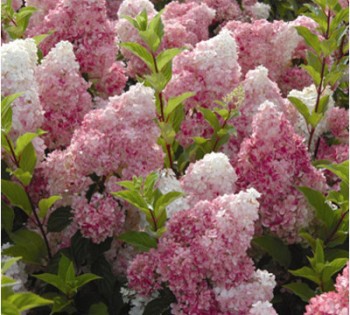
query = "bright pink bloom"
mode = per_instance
[
  {"x": 98, "y": 219},
  {"x": 275, "y": 161}
]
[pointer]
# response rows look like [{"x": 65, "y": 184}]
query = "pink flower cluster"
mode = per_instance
[
  {"x": 211, "y": 71},
  {"x": 260, "y": 42},
  {"x": 334, "y": 302},
  {"x": 275, "y": 160},
  {"x": 98, "y": 219},
  {"x": 120, "y": 138},
  {"x": 258, "y": 88},
  {"x": 227, "y": 10},
  {"x": 184, "y": 26},
  {"x": 202, "y": 258},
  {"x": 85, "y": 24},
  {"x": 63, "y": 95}
]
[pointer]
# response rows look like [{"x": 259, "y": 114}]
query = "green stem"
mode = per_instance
[{"x": 38, "y": 222}]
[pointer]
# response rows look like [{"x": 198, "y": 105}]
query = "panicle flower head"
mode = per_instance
[
  {"x": 260, "y": 42},
  {"x": 85, "y": 24},
  {"x": 118, "y": 138},
  {"x": 258, "y": 88},
  {"x": 209, "y": 178},
  {"x": 19, "y": 62},
  {"x": 212, "y": 71},
  {"x": 205, "y": 248},
  {"x": 63, "y": 94},
  {"x": 275, "y": 160},
  {"x": 98, "y": 219}
]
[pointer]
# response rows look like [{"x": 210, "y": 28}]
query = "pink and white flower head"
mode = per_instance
[
  {"x": 85, "y": 24},
  {"x": 205, "y": 248},
  {"x": 63, "y": 94},
  {"x": 258, "y": 88},
  {"x": 211, "y": 71},
  {"x": 209, "y": 178},
  {"x": 334, "y": 302},
  {"x": 98, "y": 219},
  {"x": 275, "y": 160},
  {"x": 119, "y": 138}
]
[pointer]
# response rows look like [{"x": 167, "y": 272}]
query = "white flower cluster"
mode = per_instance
[
  {"x": 309, "y": 97},
  {"x": 208, "y": 178},
  {"x": 18, "y": 61},
  {"x": 244, "y": 295}
]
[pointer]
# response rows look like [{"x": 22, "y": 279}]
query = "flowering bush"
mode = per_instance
[{"x": 175, "y": 157}]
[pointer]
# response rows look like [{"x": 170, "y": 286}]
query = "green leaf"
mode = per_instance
[
  {"x": 318, "y": 201},
  {"x": 40, "y": 38},
  {"x": 341, "y": 170},
  {"x": 323, "y": 104},
  {"x": 157, "y": 26},
  {"x": 314, "y": 119},
  {"x": 53, "y": 280},
  {"x": 134, "y": 198},
  {"x": 8, "y": 308},
  {"x": 98, "y": 309},
  {"x": 174, "y": 102},
  {"x": 211, "y": 118},
  {"x": 59, "y": 219},
  {"x": 166, "y": 56},
  {"x": 6, "y": 111},
  {"x": 319, "y": 253},
  {"x": 46, "y": 203},
  {"x": 128, "y": 184},
  {"x": 167, "y": 199},
  {"x": 63, "y": 266},
  {"x": 27, "y": 161},
  {"x": 332, "y": 254},
  {"x": 167, "y": 132},
  {"x": 24, "y": 140},
  {"x": 301, "y": 107},
  {"x": 307, "y": 273},
  {"x": 85, "y": 279},
  {"x": 333, "y": 267},
  {"x": 16, "y": 195},
  {"x": 132, "y": 21},
  {"x": 200, "y": 140},
  {"x": 27, "y": 244},
  {"x": 275, "y": 248},
  {"x": 60, "y": 303},
  {"x": 7, "y": 217},
  {"x": 301, "y": 289},
  {"x": 27, "y": 300},
  {"x": 151, "y": 39},
  {"x": 142, "y": 20},
  {"x": 24, "y": 176},
  {"x": 6, "y": 265},
  {"x": 315, "y": 75},
  {"x": 310, "y": 38},
  {"x": 140, "y": 52},
  {"x": 140, "y": 240}
]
